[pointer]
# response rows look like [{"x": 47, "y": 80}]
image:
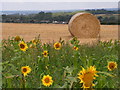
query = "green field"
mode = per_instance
[{"x": 63, "y": 65}]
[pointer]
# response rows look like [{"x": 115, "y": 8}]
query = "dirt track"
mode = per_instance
[{"x": 52, "y": 32}]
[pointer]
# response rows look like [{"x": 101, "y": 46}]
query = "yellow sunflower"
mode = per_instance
[
  {"x": 25, "y": 70},
  {"x": 47, "y": 80},
  {"x": 87, "y": 76},
  {"x": 45, "y": 53},
  {"x": 75, "y": 48},
  {"x": 23, "y": 46},
  {"x": 34, "y": 41},
  {"x": 32, "y": 46},
  {"x": 17, "y": 38},
  {"x": 112, "y": 65},
  {"x": 57, "y": 46}
]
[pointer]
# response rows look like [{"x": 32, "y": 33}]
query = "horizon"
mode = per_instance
[{"x": 62, "y": 10}]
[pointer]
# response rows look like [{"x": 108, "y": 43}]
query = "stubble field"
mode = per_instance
[{"x": 52, "y": 32}]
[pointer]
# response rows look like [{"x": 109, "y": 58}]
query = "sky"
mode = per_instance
[
  {"x": 59, "y": 0},
  {"x": 59, "y": 5}
]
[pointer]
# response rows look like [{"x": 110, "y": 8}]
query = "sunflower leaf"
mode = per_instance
[{"x": 107, "y": 74}]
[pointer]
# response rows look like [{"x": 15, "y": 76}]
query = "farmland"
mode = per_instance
[
  {"x": 50, "y": 32},
  {"x": 40, "y": 64}
]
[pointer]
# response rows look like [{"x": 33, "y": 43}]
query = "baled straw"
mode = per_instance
[{"x": 84, "y": 25}]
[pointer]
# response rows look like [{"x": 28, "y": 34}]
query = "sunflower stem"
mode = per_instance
[
  {"x": 75, "y": 63},
  {"x": 46, "y": 63},
  {"x": 23, "y": 81}
]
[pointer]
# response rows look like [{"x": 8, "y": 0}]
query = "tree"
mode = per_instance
[
  {"x": 40, "y": 16},
  {"x": 100, "y": 18}
]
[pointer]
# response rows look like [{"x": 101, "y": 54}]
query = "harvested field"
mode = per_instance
[{"x": 52, "y": 32}]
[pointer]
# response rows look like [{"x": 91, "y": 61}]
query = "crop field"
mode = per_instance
[
  {"x": 55, "y": 59},
  {"x": 52, "y": 32}
]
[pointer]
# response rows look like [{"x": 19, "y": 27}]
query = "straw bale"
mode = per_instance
[{"x": 84, "y": 25}]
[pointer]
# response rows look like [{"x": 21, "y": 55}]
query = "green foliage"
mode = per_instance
[
  {"x": 105, "y": 17},
  {"x": 63, "y": 65}
]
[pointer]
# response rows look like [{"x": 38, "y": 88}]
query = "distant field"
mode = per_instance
[
  {"x": 108, "y": 15},
  {"x": 52, "y": 32}
]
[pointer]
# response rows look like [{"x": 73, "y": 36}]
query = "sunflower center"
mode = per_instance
[
  {"x": 74, "y": 47},
  {"x": 17, "y": 38},
  {"x": 47, "y": 80},
  {"x": 112, "y": 66},
  {"x": 45, "y": 53},
  {"x": 24, "y": 69},
  {"x": 88, "y": 77},
  {"x": 88, "y": 84},
  {"x": 57, "y": 45},
  {"x": 22, "y": 46}
]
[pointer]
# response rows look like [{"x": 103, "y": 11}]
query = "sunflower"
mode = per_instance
[
  {"x": 23, "y": 46},
  {"x": 25, "y": 70},
  {"x": 87, "y": 76},
  {"x": 17, "y": 38},
  {"x": 32, "y": 46},
  {"x": 57, "y": 46},
  {"x": 45, "y": 53},
  {"x": 34, "y": 41},
  {"x": 47, "y": 80},
  {"x": 111, "y": 65},
  {"x": 75, "y": 48}
]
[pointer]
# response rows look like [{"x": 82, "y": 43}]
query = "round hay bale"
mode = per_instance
[{"x": 84, "y": 25}]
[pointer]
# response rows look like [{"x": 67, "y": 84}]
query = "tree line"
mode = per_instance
[{"x": 110, "y": 17}]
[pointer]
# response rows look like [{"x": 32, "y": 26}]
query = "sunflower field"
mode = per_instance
[{"x": 60, "y": 64}]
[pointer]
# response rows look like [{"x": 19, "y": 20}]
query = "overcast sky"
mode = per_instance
[
  {"x": 20, "y": 5},
  {"x": 59, "y": 0}
]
